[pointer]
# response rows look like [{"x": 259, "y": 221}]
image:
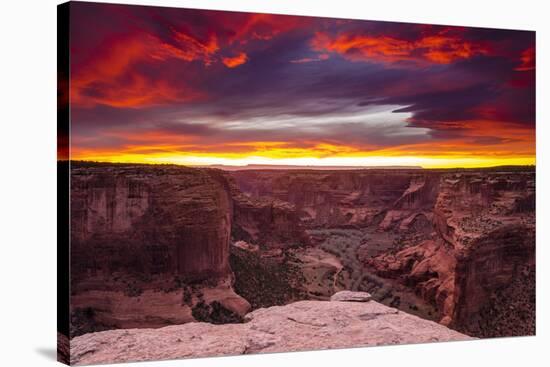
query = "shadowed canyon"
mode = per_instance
[{"x": 173, "y": 252}]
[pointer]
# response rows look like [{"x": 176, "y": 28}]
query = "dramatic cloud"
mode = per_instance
[
  {"x": 527, "y": 60},
  {"x": 197, "y": 87},
  {"x": 442, "y": 47},
  {"x": 233, "y": 62}
]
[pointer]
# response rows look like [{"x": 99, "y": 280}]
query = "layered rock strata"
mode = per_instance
[
  {"x": 454, "y": 237},
  {"x": 150, "y": 247}
]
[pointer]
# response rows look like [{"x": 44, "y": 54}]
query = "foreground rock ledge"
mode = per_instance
[
  {"x": 349, "y": 296},
  {"x": 305, "y": 325}
]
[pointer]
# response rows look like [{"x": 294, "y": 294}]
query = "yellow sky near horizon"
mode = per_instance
[{"x": 435, "y": 161}]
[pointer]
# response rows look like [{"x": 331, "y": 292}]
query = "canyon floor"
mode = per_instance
[{"x": 169, "y": 261}]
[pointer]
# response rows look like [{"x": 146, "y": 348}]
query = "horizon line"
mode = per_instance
[{"x": 286, "y": 166}]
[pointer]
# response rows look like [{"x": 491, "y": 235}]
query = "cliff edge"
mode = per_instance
[{"x": 304, "y": 325}]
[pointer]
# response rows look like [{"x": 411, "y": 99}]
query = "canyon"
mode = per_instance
[
  {"x": 441, "y": 244},
  {"x": 170, "y": 250}
]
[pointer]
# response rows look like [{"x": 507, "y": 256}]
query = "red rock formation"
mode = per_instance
[
  {"x": 446, "y": 214},
  {"x": 268, "y": 223},
  {"x": 428, "y": 268},
  {"x": 149, "y": 220},
  {"x": 158, "y": 230},
  {"x": 421, "y": 193},
  {"x": 328, "y": 198},
  {"x": 148, "y": 245},
  {"x": 485, "y": 223},
  {"x": 488, "y": 267}
]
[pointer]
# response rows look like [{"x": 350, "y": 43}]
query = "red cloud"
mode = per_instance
[
  {"x": 135, "y": 90},
  {"x": 110, "y": 78},
  {"x": 266, "y": 26},
  {"x": 113, "y": 73},
  {"x": 233, "y": 62},
  {"x": 527, "y": 59},
  {"x": 439, "y": 48},
  {"x": 187, "y": 48}
]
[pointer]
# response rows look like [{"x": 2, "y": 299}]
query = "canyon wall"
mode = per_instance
[
  {"x": 327, "y": 198},
  {"x": 149, "y": 246},
  {"x": 265, "y": 221},
  {"x": 454, "y": 237},
  {"x": 152, "y": 245},
  {"x": 270, "y": 223},
  {"x": 495, "y": 284},
  {"x": 149, "y": 220}
]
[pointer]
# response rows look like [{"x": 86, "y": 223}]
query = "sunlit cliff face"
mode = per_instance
[{"x": 165, "y": 85}]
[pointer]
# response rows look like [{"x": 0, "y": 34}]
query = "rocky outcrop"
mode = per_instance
[
  {"x": 149, "y": 220},
  {"x": 395, "y": 199},
  {"x": 328, "y": 198},
  {"x": 428, "y": 268},
  {"x": 495, "y": 282},
  {"x": 161, "y": 245},
  {"x": 267, "y": 223},
  {"x": 425, "y": 231},
  {"x": 264, "y": 221},
  {"x": 349, "y": 296},
  {"x": 98, "y": 310},
  {"x": 421, "y": 193},
  {"x": 470, "y": 205},
  {"x": 485, "y": 239},
  {"x": 149, "y": 246},
  {"x": 305, "y": 325}
]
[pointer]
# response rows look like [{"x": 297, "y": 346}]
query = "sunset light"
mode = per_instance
[{"x": 203, "y": 88}]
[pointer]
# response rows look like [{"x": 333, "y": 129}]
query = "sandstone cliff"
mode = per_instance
[
  {"x": 343, "y": 198},
  {"x": 178, "y": 219},
  {"x": 495, "y": 284},
  {"x": 264, "y": 221},
  {"x": 149, "y": 246},
  {"x": 268, "y": 223},
  {"x": 305, "y": 325},
  {"x": 453, "y": 237}
]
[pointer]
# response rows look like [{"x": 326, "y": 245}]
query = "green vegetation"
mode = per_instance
[
  {"x": 214, "y": 313},
  {"x": 265, "y": 282}
]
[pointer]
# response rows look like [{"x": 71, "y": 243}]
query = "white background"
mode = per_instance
[{"x": 28, "y": 181}]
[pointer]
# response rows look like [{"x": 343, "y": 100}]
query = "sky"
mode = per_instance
[{"x": 197, "y": 87}]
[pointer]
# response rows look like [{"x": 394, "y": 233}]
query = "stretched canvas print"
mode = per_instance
[{"x": 236, "y": 183}]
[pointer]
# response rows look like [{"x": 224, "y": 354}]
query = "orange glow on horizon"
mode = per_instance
[
  {"x": 424, "y": 162},
  {"x": 198, "y": 87},
  {"x": 321, "y": 155},
  {"x": 515, "y": 147}
]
